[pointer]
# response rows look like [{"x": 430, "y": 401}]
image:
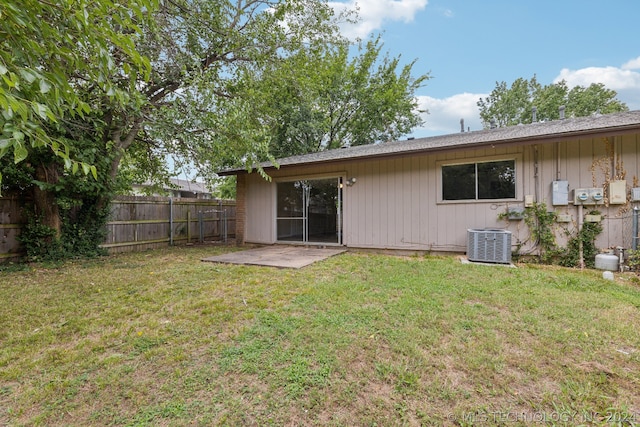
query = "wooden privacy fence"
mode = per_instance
[
  {"x": 11, "y": 220},
  {"x": 138, "y": 223},
  {"x": 151, "y": 222}
]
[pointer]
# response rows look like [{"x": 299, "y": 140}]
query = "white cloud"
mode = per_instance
[
  {"x": 634, "y": 64},
  {"x": 374, "y": 13},
  {"x": 445, "y": 114},
  {"x": 447, "y": 12},
  {"x": 612, "y": 77},
  {"x": 623, "y": 80}
]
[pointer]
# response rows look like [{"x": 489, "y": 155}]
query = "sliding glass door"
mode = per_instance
[{"x": 310, "y": 211}]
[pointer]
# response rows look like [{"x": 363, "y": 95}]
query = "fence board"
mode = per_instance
[
  {"x": 139, "y": 223},
  {"x": 11, "y": 221}
]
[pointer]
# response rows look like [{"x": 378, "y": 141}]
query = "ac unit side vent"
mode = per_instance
[{"x": 488, "y": 245}]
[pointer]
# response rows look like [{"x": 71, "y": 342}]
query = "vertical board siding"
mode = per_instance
[
  {"x": 416, "y": 178},
  {"x": 260, "y": 210},
  {"x": 383, "y": 220},
  {"x": 372, "y": 211},
  {"x": 410, "y": 193},
  {"x": 394, "y": 203},
  {"x": 359, "y": 191}
]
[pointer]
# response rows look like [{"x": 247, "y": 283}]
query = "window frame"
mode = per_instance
[{"x": 518, "y": 163}]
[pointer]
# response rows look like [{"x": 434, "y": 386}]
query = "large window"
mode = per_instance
[{"x": 479, "y": 181}]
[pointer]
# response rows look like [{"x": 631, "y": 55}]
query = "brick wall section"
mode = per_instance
[{"x": 241, "y": 203}]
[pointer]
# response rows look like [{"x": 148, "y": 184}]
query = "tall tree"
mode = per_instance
[
  {"x": 329, "y": 96},
  {"x": 508, "y": 106},
  {"x": 103, "y": 80},
  {"x": 49, "y": 51},
  {"x": 59, "y": 61}
]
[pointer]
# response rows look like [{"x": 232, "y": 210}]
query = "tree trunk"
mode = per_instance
[{"x": 45, "y": 201}]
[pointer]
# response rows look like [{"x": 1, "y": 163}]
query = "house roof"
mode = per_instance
[
  {"x": 181, "y": 185},
  {"x": 191, "y": 186},
  {"x": 540, "y": 132}
]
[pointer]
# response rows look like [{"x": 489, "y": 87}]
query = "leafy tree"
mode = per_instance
[
  {"x": 95, "y": 85},
  {"x": 112, "y": 90},
  {"x": 509, "y": 106},
  {"x": 60, "y": 63},
  {"x": 207, "y": 116},
  {"x": 225, "y": 187},
  {"x": 326, "y": 97},
  {"x": 48, "y": 51},
  {"x": 580, "y": 101}
]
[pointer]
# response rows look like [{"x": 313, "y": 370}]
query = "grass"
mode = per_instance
[{"x": 161, "y": 338}]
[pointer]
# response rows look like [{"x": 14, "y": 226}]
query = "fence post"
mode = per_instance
[
  {"x": 201, "y": 225},
  {"x": 170, "y": 221},
  {"x": 220, "y": 224},
  {"x": 224, "y": 224},
  {"x": 189, "y": 226}
]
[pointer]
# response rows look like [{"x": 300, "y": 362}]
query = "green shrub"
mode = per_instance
[
  {"x": 83, "y": 230},
  {"x": 541, "y": 223},
  {"x": 587, "y": 236},
  {"x": 38, "y": 240}
]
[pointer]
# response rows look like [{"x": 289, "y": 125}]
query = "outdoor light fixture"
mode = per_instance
[{"x": 350, "y": 182}]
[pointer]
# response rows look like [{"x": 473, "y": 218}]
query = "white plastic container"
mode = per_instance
[{"x": 607, "y": 262}]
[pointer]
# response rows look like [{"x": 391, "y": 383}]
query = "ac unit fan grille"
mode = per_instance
[{"x": 489, "y": 246}]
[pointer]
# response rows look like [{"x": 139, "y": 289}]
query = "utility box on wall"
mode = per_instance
[
  {"x": 618, "y": 192},
  {"x": 515, "y": 213},
  {"x": 592, "y": 218},
  {"x": 560, "y": 193},
  {"x": 588, "y": 196}
]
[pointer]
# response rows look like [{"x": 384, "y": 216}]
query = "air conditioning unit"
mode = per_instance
[{"x": 489, "y": 245}]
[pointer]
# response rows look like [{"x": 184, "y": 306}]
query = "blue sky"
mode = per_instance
[{"x": 469, "y": 45}]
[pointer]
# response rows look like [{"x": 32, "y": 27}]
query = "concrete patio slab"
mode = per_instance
[{"x": 277, "y": 256}]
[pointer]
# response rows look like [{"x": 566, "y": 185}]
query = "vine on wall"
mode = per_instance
[
  {"x": 543, "y": 226},
  {"x": 584, "y": 240},
  {"x": 611, "y": 168}
]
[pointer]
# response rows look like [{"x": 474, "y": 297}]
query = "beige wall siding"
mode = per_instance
[
  {"x": 260, "y": 210},
  {"x": 395, "y": 202}
]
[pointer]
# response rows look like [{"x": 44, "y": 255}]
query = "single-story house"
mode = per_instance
[{"x": 425, "y": 194}]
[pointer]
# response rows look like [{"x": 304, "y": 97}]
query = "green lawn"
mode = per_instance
[{"x": 161, "y": 338}]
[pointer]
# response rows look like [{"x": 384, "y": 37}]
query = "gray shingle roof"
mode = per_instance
[
  {"x": 532, "y": 133},
  {"x": 191, "y": 186}
]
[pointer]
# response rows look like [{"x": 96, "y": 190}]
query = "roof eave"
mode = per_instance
[{"x": 528, "y": 140}]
